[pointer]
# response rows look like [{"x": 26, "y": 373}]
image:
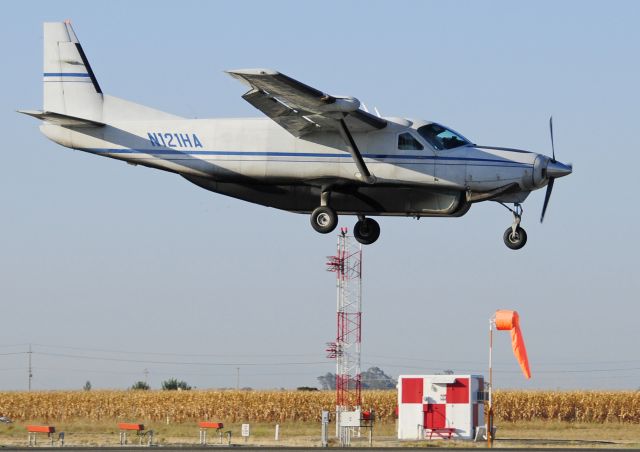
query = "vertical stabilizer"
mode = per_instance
[{"x": 70, "y": 86}]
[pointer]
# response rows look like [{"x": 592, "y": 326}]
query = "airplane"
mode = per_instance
[{"x": 315, "y": 153}]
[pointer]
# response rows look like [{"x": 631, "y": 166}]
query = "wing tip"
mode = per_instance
[{"x": 252, "y": 71}]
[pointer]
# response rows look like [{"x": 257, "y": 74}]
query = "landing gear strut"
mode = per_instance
[
  {"x": 515, "y": 237},
  {"x": 324, "y": 219},
  {"x": 366, "y": 230}
]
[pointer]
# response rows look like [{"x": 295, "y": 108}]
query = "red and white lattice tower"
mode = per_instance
[{"x": 347, "y": 265}]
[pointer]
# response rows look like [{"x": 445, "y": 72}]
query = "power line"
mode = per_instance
[
  {"x": 14, "y": 345},
  {"x": 134, "y": 372},
  {"x": 181, "y": 363},
  {"x": 558, "y": 371},
  {"x": 212, "y": 355},
  {"x": 303, "y": 363},
  {"x": 398, "y": 365},
  {"x": 218, "y": 355},
  {"x": 538, "y": 363}
]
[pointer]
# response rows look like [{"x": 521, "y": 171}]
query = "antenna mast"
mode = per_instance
[{"x": 347, "y": 265}]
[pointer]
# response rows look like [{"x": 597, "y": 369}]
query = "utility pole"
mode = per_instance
[
  {"x": 237, "y": 378},
  {"x": 146, "y": 375},
  {"x": 30, "y": 369}
]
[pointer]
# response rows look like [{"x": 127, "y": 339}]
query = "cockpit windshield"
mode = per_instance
[{"x": 441, "y": 138}]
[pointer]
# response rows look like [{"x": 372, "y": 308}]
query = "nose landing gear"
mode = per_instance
[{"x": 515, "y": 237}]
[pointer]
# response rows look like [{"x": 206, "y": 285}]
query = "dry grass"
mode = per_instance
[
  {"x": 307, "y": 434},
  {"x": 296, "y": 406}
]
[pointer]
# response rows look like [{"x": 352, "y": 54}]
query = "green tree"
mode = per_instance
[
  {"x": 375, "y": 378},
  {"x": 140, "y": 386},
  {"x": 173, "y": 384},
  {"x": 372, "y": 378},
  {"x": 87, "y": 386},
  {"x": 327, "y": 381}
]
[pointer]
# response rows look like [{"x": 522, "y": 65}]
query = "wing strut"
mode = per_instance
[{"x": 352, "y": 147}]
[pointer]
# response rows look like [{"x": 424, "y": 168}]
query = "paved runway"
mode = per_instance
[{"x": 294, "y": 449}]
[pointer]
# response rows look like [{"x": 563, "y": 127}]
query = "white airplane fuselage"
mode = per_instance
[
  {"x": 313, "y": 153},
  {"x": 220, "y": 153}
]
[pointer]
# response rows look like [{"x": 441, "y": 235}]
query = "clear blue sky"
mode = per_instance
[{"x": 99, "y": 255}]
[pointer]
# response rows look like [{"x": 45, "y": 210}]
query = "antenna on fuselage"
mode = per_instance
[
  {"x": 364, "y": 107},
  {"x": 377, "y": 112}
]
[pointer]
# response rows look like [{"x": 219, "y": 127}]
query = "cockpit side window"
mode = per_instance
[
  {"x": 407, "y": 142},
  {"x": 442, "y": 138}
]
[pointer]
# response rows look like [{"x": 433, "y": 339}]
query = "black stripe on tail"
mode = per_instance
[{"x": 94, "y": 80}]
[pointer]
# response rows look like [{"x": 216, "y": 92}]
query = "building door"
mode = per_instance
[{"x": 435, "y": 416}]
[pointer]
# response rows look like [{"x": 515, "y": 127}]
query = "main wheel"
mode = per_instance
[
  {"x": 516, "y": 240},
  {"x": 324, "y": 219},
  {"x": 366, "y": 231}
]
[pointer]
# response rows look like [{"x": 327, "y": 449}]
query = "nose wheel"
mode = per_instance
[
  {"x": 515, "y": 237},
  {"x": 366, "y": 230}
]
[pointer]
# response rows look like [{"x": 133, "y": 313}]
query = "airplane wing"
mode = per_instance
[{"x": 301, "y": 109}]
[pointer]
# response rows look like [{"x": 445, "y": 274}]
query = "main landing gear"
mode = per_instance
[
  {"x": 324, "y": 220},
  {"x": 515, "y": 237},
  {"x": 366, "y": 230}
]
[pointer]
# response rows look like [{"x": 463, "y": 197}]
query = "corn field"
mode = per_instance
[{"x": 282, "y": 406}]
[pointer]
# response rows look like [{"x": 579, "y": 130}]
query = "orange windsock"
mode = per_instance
[{"x": 510, "y": 320}]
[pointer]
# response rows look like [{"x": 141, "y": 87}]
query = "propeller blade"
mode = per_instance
[
  {"x": 547, "y": 195},
  {"x": 553, "y": 149}
]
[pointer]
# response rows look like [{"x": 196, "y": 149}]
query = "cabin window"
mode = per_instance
[
  {"x": 442, "y": 138},
  {"x": 407, "y": 142}
]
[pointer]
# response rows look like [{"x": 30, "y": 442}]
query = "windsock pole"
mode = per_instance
[{"x": 490, "y": 414}]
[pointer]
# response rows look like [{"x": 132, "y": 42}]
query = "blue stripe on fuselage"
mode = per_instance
[{"x": 299, "y": 154}]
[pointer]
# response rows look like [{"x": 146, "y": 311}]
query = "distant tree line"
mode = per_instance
[
  {"x": 140, "y": 386},
  {"x": 172, "y": 384},
  {"x": 372, "y": 378}
]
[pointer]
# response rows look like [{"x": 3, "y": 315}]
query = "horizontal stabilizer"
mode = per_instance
[{"x": 60, "y": 119}]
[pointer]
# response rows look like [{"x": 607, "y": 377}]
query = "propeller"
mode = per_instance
[
  {"x": 547, "y": 195},
  {"x": 553, "y": 149},
  {"x": 554, "y": 169}
]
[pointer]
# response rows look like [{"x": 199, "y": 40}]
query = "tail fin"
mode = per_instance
[{"x": 70, "y": 86}]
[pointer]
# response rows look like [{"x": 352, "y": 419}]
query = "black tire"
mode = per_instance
[
  {"x": 366, "y": 231},
  {"x": 324, "y": 219},
  {"x": 517, "y": 240}
]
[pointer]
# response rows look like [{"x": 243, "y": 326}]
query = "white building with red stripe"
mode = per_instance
[{"x": 436, "y": 406}]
